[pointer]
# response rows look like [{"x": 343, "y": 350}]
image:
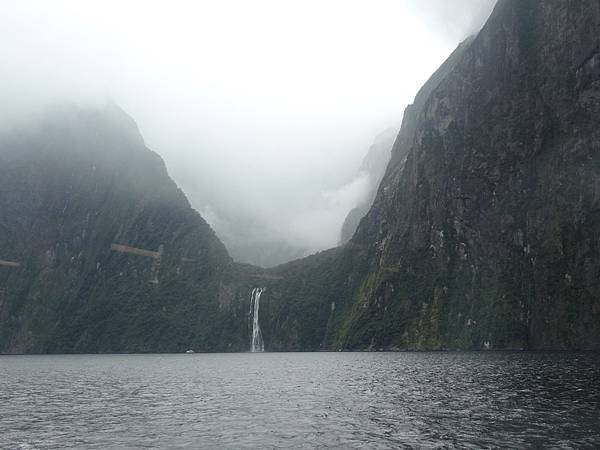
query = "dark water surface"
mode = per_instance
[{"x": 301, "y": 400}]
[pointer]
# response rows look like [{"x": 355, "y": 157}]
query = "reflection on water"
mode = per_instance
[{"x": 301, "y": 400}]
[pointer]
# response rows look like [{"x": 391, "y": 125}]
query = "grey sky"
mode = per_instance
[{"x": 261, "y": 109}]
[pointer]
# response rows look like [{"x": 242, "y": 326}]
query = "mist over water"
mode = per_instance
[{"x": 262, "y": 111}]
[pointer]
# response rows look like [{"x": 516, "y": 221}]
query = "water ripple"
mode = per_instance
[{"x": 301, "y": 400}]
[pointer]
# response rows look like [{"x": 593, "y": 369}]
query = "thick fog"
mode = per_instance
[{"x": 262, "y": 110}]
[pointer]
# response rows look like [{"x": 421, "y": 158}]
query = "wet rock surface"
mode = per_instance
[{"x": 484, "y": 233}]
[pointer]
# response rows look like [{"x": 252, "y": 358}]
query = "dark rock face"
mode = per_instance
[
  {"x": 485, "y": 232},
  {"x": 388, "y": 153},
  {"x": 78, "y": 182},
  {"x": 489, "y": 235}
]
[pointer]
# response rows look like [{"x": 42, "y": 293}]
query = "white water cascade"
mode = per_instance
[{"x": 257, "y": 341}]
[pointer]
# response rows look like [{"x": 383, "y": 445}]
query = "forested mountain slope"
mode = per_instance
[
  {"x": 72, "y": 184},
  {"x": 484, "y": 233}
]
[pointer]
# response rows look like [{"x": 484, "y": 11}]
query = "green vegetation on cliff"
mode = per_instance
[{"x": 484, "y": 233}]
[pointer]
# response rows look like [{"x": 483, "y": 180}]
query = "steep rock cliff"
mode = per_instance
[
  {"x": 72, "y": 184},
  {"x": 485, "y": 232},
  {"x": 489, "y": 235}
]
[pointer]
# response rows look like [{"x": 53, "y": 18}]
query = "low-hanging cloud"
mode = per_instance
[
  {"x": 329, "y": 213},
  {"x": 454, "y": 20},
  {"x": 262, "y": 110}
]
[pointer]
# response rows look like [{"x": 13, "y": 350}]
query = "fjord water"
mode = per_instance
[{"x": 301, "y": 400}]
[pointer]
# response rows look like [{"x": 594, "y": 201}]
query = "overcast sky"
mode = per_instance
[{"x": 262, "y": 109}]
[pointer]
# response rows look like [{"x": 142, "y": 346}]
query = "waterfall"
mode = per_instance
[{"x": 257, "y": 344}]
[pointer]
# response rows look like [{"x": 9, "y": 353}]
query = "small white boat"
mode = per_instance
[{"x": 190, "y": 351}]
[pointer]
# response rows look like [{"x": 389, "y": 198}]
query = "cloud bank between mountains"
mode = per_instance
[{"x": 262, "y": 110}]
